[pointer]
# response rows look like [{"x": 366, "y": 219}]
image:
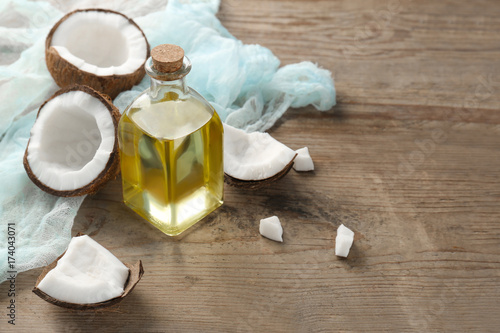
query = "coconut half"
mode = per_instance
[
  {"x": 253, "y": 160},
  {"x": 87, "y": 277},
  {"x": 73, "y": 146},
  {"x": 99, "y": 48}
]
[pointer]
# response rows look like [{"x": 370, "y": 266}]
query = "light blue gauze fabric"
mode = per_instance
[{"x": 243, "y": 82}]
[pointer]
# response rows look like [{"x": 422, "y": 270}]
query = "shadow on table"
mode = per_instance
[{"x": 133, "y": 314}]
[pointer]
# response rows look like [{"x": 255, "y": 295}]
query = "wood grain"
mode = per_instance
[{"x": 409, "y": 159}]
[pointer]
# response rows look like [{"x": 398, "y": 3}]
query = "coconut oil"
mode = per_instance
[{"x": 171, "y": 153}]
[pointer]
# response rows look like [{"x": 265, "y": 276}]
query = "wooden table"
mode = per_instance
[{"x": 409, "y": 159}]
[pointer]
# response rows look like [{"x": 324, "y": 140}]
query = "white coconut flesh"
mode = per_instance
[
  {"x": 253, "y": 156},
  {"x": 343, "y": 241},
  {"x": 87, "y": 273},
  {"x": 303, "y": 161},
  {"x": 271, "y": 228},
  {"x": 71, "y": 141},
  {"x": 102, "y": 43}
]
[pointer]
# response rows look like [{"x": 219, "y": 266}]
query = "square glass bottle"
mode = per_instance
[{"x": 171, "y": 142}]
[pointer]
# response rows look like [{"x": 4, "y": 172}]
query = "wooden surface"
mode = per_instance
[{"x": 409, "y": 159}]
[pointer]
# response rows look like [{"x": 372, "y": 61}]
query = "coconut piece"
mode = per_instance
[
  {"x": 100, "y": 48},
  {"x": 87, "y": 276},
  {"x": 271, "y": 228},
  {"x": 343, "y": 241},
  {"x": 254, "y": 159},
  {"x": 87, "y": 273},
  {"x": 303, "y": 161},
  {"x": 73, "y": 146}
]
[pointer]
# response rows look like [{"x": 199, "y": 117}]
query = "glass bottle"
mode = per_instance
[{"x": 171, "y": 147}]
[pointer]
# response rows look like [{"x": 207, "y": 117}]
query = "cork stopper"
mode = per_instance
[{"x": 167, "y": 58}]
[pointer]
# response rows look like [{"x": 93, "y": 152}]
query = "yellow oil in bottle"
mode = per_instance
[{"x": 171, "y": 160}]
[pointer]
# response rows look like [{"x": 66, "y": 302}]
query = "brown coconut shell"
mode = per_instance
[
  {"x": 112, "y": 167},
  {"x": 65, "y": 73},
  {"x": 136, "y": 271},
  {"x": 256, "y": 184}
]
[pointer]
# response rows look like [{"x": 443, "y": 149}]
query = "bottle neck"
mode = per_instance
[
  {"x": 162, "y": 83},
  {"x": 158, "y": 88}
]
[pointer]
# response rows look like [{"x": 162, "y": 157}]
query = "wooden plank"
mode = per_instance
[
  {"x": 389, "y": 52},
  {"x": 402, "y": 160}
]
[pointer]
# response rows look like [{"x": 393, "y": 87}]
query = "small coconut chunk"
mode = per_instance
[
  {"x": 271, "y": 228},
  {"x": 87, "y": 273},
  {"x": 253, "y": 156},
  {"x": 303, "y": 161},
  {"x": 343, "y": 241}
]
